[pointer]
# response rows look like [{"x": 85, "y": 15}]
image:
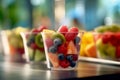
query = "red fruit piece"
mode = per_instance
[
  {"x": 49, "y": 42},
  {"x": 34, "y": 46},
  {"x": 63, "y": 29},
  {"x": 106, "y": 38},
  {"x": 20, "y": 50},
  {"x": 118, "y": 52},
  {"x": 62, "y": 49},
  {"x": 64, "y": 63},
  {"x": 71, "y": 34},
  {"x": 75, "y": 57},
  {"x": 117, "y": 35},
  {"x": 40, "y": 29},
  {"x": 35, "y": 31}
]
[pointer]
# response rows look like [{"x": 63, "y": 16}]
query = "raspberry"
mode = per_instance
[
  {"x": 62, "y": 49},
  {"x": 63, "y": 29},
  {"x": 64, "y": 63},
  {"x": 71, "y": 34},
  {"x": 75, "y": 57}
]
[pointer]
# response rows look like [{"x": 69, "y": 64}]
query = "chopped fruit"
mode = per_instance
[
  {"x": 71, "y": 49},
  {"x": 57, "y": 42},
  {"x": 54, "y": 59},
  {"x": 63, "y": 29},
  {"x": 77, "y": 40},
  {"x": 34, "y": 46},
  {"x": 91, "y": 50},
  {"x": 72, "y": 33},
  {"x": 69, "y": 57},
  {"x": 49, "y": 42},
  {"x": 64, "y": 63},
  {"x": 73, "y": 64},
  {"x": 62, "y": 49},
  {"x": 53, "y": 49},
  {"x": 75, "y": 57},
  {"x": 118, "y": 52},
  {"x": 41, "y": 28},
  {"x": 65, "y": 51},
  {"x": 39, "y": 40},
  {"x": 58, "y": 35},
  {"x": 61, "y": 56}
]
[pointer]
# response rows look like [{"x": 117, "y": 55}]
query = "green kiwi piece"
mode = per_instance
[
  {"x": 39, "y": 40},
  {"x": 59, "y": 35}
]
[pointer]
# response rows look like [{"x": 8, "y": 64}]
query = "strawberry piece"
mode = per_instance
[
  {"x": 118, "y": 52},
  {"x": 62, "y": 49},
  {"x": 64, "y": 63},
  {"x": 40, "y": 29},
  {"x": 63, "y": 29},
  {"x": 35, "y": 31},
  {"x": 71, "y": 34},
  {"x": 33, "y": 46},
  {"x": 117, "y": 35},
  {"x": 106, "y": 38}
]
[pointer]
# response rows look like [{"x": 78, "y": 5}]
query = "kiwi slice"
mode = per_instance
[
  {"x": 39, "y": 40},
  {"x": 59, "y": 35}
]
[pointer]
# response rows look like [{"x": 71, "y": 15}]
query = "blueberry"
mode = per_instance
[
  {"x": 57, "y": 41},
  {"x": 61, "y": 56},
  {"x": 73, "y": 64},
  {"x": 31, "y": 40},
  {"x": 52, "y": 49},
  {"x": 76, "y": 40},
  {"x": 69, "y": 58}
]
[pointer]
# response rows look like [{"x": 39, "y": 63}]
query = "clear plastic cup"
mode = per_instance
[
  {"x": 12, "y": 44},
  {"x": 108, "y": 45},
  {"x": 61, "y": 52},
  {"x": 34, "y": 48}
]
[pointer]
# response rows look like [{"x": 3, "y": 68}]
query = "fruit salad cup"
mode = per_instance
[
  {"x": 108, "y": 45},
  {"x": 34, "y": 48},
  {"x": 13, "y": 44},
  {"x": 61, "y": 49}
]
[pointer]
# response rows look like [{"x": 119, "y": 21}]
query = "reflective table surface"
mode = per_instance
[{"x": 33, "y": 71}]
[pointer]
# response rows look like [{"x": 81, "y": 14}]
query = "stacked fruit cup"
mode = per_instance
[
  {"x": 108, "y": 45},
  {"x": 61, "y": 47},
  {"x": 33, "y": 44}
]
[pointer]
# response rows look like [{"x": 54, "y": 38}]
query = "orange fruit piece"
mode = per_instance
[
  {"x": 53, "y": 59},
  {"x": 71, "y": 48},
  {"x": 90, "y": 50}
]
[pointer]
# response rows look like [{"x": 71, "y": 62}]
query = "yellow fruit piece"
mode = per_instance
[
  {"x": 71, "y": 49},
  {"x": 48, "y": 33},
  {"x": 87, "y": 39}
]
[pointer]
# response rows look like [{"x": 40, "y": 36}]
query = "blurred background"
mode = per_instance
[{"x": 85, "y": 14}]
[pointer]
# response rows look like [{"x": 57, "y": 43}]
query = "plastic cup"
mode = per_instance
[
  {"x": 61, "y": 53},
  {"x": 108, "y": 45},
  {"x": 12, "y": 44},
  {"x": 34, "y": 48}
]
